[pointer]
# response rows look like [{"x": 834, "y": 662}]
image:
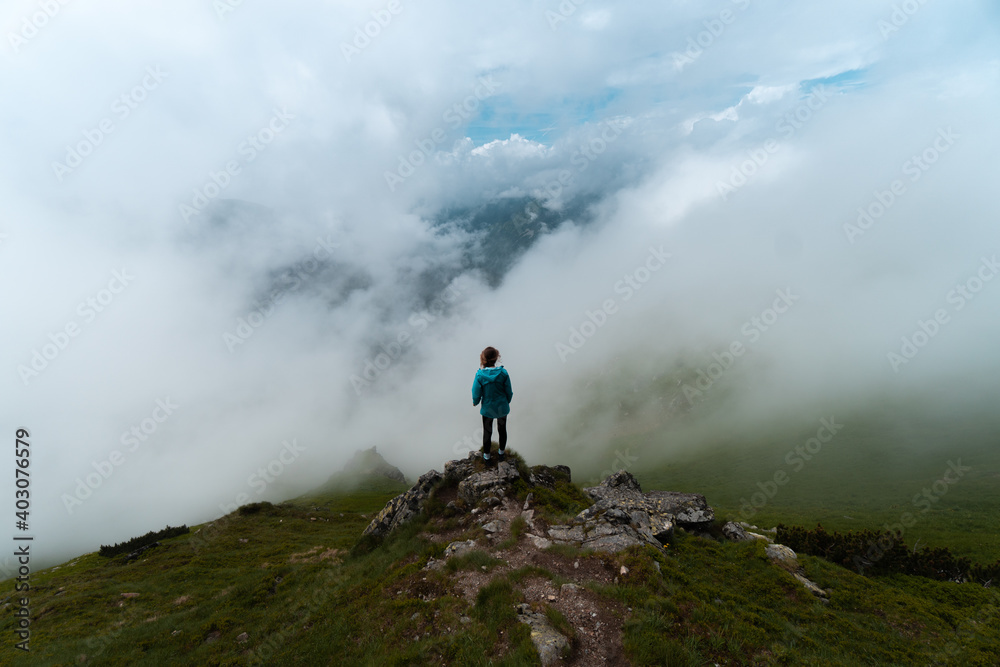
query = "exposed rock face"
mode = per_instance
[
  {"x": 489, "y": 485},
  {"x": 734, "y": 532},
  {"x": 548, "y": 641},
  {"x": 607, "y": 528},
  {"x": 405, "y": 506},
  {"x": 664, "y": 508},
  {"x": 459, "y": 469},
  {"x": 491, "y": 482},
  {"x": 622, "y": 515},
  {"x": 546, "y": 476}
]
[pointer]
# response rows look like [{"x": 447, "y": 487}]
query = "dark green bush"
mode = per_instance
[
  {"x": 144, "y": 540},
  {"x": 884, "y": 552}
]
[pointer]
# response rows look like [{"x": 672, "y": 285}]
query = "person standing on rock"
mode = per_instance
[{"x": 491, "y": 386}]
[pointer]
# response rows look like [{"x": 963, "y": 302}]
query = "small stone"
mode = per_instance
[
  {"x": 415, "y": 616},
  {"x": 464, "y": 619},
  {"x": 243, "y": 638},
  {"x": 459, "y": 548},
  {"x": 492, "y": 527},
  {"x": 782, "y": 556},
  {"x": 552, "y": 598},
  {"x": 175, "y": 633},
  {"x": 527, "y": 501},
  {"x": 130, "y": 595},
  {"x": 540, "y": 542},
  {"x": 624, "y": 570},
  {"x": 576, "y": 565},
  {"x": 568, "y": 588}
]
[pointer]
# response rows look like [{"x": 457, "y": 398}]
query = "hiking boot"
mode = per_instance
[{"x": 502, "y": 455}]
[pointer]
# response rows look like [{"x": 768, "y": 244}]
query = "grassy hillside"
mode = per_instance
[
  {"x": 294, "y": 578},
  {"x": 869, "y": 475}
]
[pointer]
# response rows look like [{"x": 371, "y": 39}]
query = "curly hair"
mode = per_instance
[{"x": 488, "y": 357}]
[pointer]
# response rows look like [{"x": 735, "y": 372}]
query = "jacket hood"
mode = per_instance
[{"x": 492, "y": 373}]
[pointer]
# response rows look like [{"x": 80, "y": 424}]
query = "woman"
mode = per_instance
[{"x": 492, "y": 386}]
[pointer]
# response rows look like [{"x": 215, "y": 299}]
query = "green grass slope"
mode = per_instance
[
  {"x": 872, "y": 473},
  {"x": 291, "y": 584}
]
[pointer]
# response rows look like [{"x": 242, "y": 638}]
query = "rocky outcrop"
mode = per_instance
[
  {"x": 405, "y": 506},
  {"x": 547, "y": 475},
  {"x": 621, "y": 516},
  {"x": 490, "y": 482},
  {"x": 664, "y": 508},
  {"x": 473, "y": 487},
  {"x": 609, "y": 529}
]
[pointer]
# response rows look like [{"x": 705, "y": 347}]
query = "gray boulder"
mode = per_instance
[
  {"x": 664, "y": 508},
  {"x": 734, "y": 532},
  {"x": 490, "y": 482},
  {"x": 459, "y": 469},
  {"x": 547, "y": 475},
  {"x": 405, "y": 506},
  {"x": 609, "y": 529}
]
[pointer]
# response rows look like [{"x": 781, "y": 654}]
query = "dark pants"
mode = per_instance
[{"x": 488, "y": 432}]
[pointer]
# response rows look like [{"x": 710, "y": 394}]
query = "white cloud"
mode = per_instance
[{"x": 320, "y": 186}]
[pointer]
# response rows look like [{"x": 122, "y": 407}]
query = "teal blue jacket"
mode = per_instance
[{"x": 492, "y": 387}]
